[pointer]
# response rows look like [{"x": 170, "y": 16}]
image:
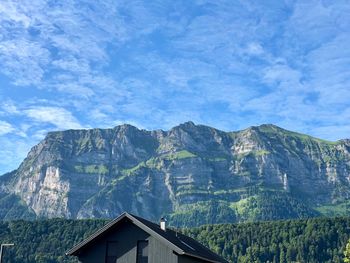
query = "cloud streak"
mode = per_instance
[
  {"x": 5, "y": 128},
  {"x": 60, "y": 118},
  {"x": 228, "y": 64}
]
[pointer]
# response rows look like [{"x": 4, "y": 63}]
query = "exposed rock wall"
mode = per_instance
[{"x": 190, "y": 171}]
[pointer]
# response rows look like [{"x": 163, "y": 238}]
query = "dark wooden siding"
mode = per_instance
[
  {"x": 160, "y": 253},
  {"x": 127, "y": 236}
]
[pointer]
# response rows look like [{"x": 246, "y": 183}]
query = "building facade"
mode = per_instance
[{"x": 131, "y": 239}]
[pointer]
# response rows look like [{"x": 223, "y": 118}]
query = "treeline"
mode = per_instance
[
  {"x": 312, "y": 240},
  {"x": 44, "y": 240}
]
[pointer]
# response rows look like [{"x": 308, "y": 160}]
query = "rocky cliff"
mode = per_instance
[{"x": 193, "y": 174}]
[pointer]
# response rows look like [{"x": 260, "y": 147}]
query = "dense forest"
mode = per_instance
[
  {"x": 44, "y": 241},
  {"x": 311, "y": 240}
]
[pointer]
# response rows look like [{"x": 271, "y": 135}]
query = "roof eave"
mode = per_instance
[{"x": 204, "y": 258}]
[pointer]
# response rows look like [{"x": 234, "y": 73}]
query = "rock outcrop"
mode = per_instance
[{"x": 193, "y": 174}]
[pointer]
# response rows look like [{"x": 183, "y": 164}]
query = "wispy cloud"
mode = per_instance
[
  {"x": 229, "y": 64},
  {"x": 68, "y": 38},
  {"x": 5, "y": 128},
  {"x": 59, "y": 117},
  {"x": 9, "y": 107}
]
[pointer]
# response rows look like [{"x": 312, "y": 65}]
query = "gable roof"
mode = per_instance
[{"x": 181, "y": 244}]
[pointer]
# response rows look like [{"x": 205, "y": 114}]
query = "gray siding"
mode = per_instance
[
  {"x": 160, "y": 253},
  {"x": 127, "y": 236}
]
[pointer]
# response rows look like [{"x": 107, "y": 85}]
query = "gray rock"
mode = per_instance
[{"x": 194, "y": 174}]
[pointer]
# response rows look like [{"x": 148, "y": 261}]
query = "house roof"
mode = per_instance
[{"x": 181, "y": 244}]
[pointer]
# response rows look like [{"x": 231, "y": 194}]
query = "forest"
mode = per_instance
[{"x": 310, "y": 240}]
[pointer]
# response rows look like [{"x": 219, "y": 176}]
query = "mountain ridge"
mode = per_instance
[{"x": 194, "y": 174}]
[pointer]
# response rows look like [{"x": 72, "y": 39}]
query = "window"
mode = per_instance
[
  {"x": 142, "y": 251},
  {"x": 112, "y": 252}
]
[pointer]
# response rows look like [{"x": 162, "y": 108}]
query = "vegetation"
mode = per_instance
[
  {"x": 275, "y": 130},
  {"x": 202, "y": 212},
  {"x": 46, "y": 240},
  {"x": 179, "y": 155},
  {"x": 13, "y": 207},
  {"x": 154, "y": 162},
  {"x": 341, "y": 209},
  {"x": 130, "y": 171},
  {"x": 310, "y": 240},
  {"x": 257, "y": 204},
  {"x": 347, "y": 253}
]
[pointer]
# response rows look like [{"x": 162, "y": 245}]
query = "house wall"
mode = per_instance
[
  {"x": 186, "y": 259},
  {"x": 160, "y": 253},
  {"x": 127, "y": 236}
]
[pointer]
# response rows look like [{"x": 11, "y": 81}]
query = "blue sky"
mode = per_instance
[{"x": 154, "y": 64}]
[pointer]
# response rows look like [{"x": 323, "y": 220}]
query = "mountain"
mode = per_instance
[{"x": 193, "y": 174}]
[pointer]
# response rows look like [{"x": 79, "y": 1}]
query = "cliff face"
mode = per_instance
[{"x": 193, "y": 174}]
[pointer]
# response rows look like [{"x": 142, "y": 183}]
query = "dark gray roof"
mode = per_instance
[{"x": 180, "y": 243}]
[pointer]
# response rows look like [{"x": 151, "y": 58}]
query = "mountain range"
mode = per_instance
[{"x": 192, "y": 174}]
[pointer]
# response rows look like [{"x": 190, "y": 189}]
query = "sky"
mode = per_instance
[{"x": 77, "y": 64}]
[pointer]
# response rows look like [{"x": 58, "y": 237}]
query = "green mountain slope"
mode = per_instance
[{"x": 194, "y": 174}]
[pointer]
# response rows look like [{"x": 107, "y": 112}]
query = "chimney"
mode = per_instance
[{"x": 162, "y": 224}]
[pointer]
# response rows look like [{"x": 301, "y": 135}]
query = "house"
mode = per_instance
[{"x": 132, "y": 239}]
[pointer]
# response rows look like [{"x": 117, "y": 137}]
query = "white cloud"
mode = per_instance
[
  {"x": 283, "y": 76},
  {"x": 5, "y": 128},
  {"x": 43, "y": 41},
  {"x": 59, "y": 117},
  {"x": 9, "y": 107},
  {"x": 9, "y": 11},
  {"x": 40, "y": 134},
  {"x": 228, "y": 64},
  {"x": 24, "y": 61},
  {"x": 254, "y": 48}
]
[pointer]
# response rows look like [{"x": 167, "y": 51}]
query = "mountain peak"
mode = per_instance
[
  {"x": 187, "y": 124},
  {"x": 125, "y": 126},
  {"x": 194, "y": 173}
]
